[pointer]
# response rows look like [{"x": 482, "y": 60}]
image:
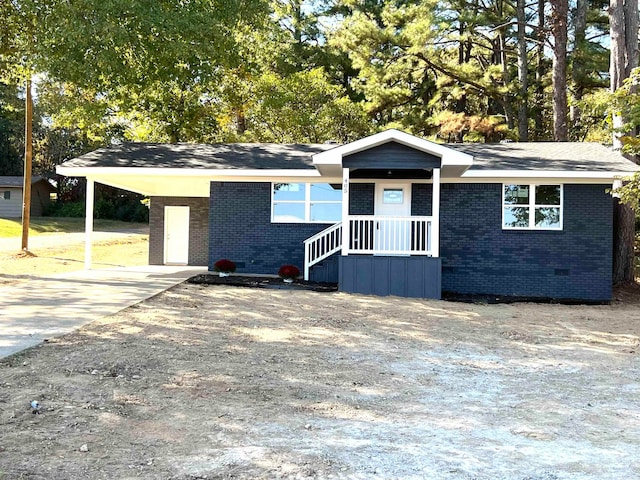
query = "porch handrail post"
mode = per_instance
[
  {"x": 307, "y": 259},
  {"x": 345, "y": 212},
  {"x": 435, "y": 213}
]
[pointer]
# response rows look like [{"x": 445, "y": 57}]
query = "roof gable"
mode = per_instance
[
  {"x": 391, "y": 155},
  {"x": 452, "y": 161},
  {"x": 18, "y": 181}
]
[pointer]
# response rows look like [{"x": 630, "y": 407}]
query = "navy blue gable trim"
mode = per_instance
[{"x": 391, "y": 155}]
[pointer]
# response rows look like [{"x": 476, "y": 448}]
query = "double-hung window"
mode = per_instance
[
  {"x": 532, "y": 206},
  {"x": 306, "y": 203}
]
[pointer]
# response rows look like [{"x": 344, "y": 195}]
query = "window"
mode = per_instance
[
  {"x": 7, "y": 195},
  {"x": 536, "y": 207},
  {"x": 392, "y": 195},
  {"x": 306, "y": 202}
]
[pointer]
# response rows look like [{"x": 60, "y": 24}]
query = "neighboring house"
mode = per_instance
[
  {"x": 11, "y": 196},
  {"x": 390, "y": 214}
]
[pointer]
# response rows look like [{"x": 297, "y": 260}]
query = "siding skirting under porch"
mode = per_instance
[{"x": 403, "y": 276}]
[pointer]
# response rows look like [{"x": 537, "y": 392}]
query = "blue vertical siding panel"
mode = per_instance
[
  {"x": 363, "y": 275},
  {"x": 380, "y": 277},
  {"x": 416, "y": 284},
  {"x": 417, "y": 277}
]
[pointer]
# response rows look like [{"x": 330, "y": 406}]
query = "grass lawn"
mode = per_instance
[
  {"x": 39, "y": 225},
  {"x": 123, "y": 252}
]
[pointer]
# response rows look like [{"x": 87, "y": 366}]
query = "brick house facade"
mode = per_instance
[{"x": 417, "y": 218}]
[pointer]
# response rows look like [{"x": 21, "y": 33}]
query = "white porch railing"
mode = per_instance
[
  {"x": 371, "y": 235},
  {"x": 322, "y": 245},
  {"x": 382, "y": 235}
]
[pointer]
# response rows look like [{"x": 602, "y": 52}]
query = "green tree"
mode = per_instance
[
  {"x": 11, "y": 130},
  {"x": 146, "y": 65},
  {"x": 303, "y": 107}
]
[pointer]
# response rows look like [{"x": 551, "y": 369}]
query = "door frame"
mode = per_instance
[
  {"x": 183, "y": 259},
  {"x": 382, "y": 236}
]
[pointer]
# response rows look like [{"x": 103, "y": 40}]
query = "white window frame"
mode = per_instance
[
  {"x": 307, "y": 204},
  {"x": 532, "y": 206},
  {"x": 6, "y": 195}
]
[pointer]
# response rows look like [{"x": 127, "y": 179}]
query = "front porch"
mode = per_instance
[
  {"x": 391, "y": 250},
  {"x": 379, "y": 255}
]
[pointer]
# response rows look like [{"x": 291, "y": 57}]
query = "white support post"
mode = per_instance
[
  {"x": 345, "y": 211},
  {"x": 307, "y": 258},
  {"x": 435, "y": 213},
  {"x": 89, "y": 223}
]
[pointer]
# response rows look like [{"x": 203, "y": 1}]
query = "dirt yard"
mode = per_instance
[{"x": 215, "y": 382}]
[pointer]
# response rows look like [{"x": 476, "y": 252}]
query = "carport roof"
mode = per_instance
[{"x": 259, "y": 156}]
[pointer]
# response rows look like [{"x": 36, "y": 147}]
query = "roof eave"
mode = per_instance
[
  {"x": 184, "y": 172},
  {"x": 604, "y": 175}
]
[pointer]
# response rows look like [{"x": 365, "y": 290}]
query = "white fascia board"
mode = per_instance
[
  {"x": 552, "y": 174},
  {"x": 185, "y": 172},
  {"x": 448, "y": 155}
]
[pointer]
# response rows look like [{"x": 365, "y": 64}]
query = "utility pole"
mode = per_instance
[{"x": 28, "y": 144}]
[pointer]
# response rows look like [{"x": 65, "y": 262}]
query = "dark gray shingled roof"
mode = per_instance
[
  {"x": 191, "y": 155},
  {"x": 7, "y": 181},
  {"x": 504, "y": 156},
  {"x": 573, "y": 156}
]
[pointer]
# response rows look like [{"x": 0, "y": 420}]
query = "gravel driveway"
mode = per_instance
[{"x": 220, "y": 382}]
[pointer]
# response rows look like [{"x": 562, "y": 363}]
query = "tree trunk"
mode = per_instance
[
  {"x": 623, "y": 240},
  {"x": 241, "y": 121},
  {"x": 617, "y": 70},
  {"x": 623, "y": 21},
  {"x": 504, "y": 62},
  {"x": 577, "y": 72},
  {"x": 539, "y": 95},
  {"x": 560, "y": 9},
  {"x": 523, "y": 106}
]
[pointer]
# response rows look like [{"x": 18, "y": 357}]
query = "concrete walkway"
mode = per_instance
[{"x": 37, "y": 308}]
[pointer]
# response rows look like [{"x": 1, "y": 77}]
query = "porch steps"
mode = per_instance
[{"x": 321, "y": 246}]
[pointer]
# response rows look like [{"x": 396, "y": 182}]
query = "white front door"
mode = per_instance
[
  {"x": 176, "y": 235},
  {"x": 392, "y": 235}
]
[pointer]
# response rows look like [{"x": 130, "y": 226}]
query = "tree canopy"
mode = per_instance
[{"x": 304, "y": 70}]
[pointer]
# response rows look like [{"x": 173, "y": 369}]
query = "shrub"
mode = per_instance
[
  {"x": 289, "y": 271},
  {"x": 103, "y": 209},
  {"x": 224, "y": 265},
  {"x": 65, "y": 209}
]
